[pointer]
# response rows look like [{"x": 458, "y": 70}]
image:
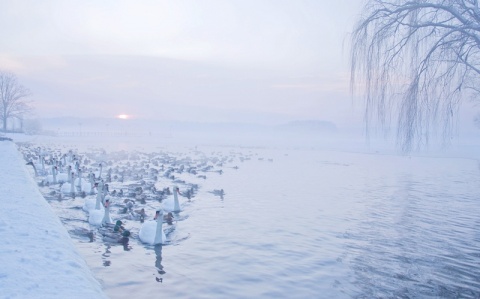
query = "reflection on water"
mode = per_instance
[
  {"x": 106, "y": 256},
  {"x": 125, "y": 243},
  {"x": 158, "y": 263}
]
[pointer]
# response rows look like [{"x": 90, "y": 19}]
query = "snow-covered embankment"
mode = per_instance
[{"x": 37, "y": 257}]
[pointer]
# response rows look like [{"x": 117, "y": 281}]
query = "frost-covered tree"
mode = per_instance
[
  {"x": 416, "y": 61},
  {"x": 13, "y": 102}
]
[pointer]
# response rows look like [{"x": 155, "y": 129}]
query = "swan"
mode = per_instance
[
  {"x": 106, "y": 217},
  {"x": 63, "y": 177},
  {"x": 40, "y": 171},
  {"x": 151, "y": 231},
  {"x": 68, "y": 188},
  {"x": 43, "y": 171},
  {"x": 98, "y": 175},
  {"x": 52, "y": 178},
  {"x": 97, "y": 217},
  {"x": 82, "y": 185},
  {"x": 93, "y": 203},
  {"x": 172, "y": 205}
]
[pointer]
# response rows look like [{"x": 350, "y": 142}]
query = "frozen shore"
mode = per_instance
[{"x": 37, "y": 256}]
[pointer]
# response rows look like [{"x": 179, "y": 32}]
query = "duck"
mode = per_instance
[
  {"x": 138, "y": 215},
  {"x": 115, "y": 233},
  {"x": 83, "y": 232},
  {"x": 152, "y": 232}
]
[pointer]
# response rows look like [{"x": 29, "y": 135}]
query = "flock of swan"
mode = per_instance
[{"x": 127, "y": 182}]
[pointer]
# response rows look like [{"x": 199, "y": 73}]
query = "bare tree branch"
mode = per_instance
[
  {"x": 13, "y": 103},
  {"x": 414, "y": 61}
]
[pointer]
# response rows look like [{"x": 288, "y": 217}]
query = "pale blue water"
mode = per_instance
[{"x": 306, "y": 224}]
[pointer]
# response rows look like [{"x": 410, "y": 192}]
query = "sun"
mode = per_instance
[{"x": 123, "y": 116}]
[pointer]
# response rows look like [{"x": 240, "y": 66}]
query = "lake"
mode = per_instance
[{"x": 292, "y": 223}]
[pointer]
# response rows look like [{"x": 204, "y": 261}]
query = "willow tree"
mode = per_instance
[
  {"x": 415, "y": 61},
  {"x": 13, "y": 102}
]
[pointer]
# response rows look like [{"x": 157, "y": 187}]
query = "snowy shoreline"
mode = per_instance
[{"x": 37, "y": 255}]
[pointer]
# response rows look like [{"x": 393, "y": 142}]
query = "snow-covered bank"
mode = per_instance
[{"x": 37, "y": 257}]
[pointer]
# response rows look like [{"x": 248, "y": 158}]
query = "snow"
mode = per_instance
[{"x": 37, "y": 257}]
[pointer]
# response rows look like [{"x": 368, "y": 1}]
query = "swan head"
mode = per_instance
[{"x": 158, "y": 215}]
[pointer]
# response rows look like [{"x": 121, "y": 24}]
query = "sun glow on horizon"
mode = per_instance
[{"x": 123, "y": 116}]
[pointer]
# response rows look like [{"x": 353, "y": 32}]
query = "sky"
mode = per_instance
[{"x": 264, "y": 61}]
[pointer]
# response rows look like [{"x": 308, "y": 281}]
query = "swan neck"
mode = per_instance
[{"x": 158, "y": 232}]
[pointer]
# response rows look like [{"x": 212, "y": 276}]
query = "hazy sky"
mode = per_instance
[{"x": 210, "y": 60}]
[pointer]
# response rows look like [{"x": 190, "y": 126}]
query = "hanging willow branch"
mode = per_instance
[{"x": 414, "y": 61}]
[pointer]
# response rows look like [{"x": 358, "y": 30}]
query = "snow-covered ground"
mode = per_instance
[{"x": 37, "y": 257}]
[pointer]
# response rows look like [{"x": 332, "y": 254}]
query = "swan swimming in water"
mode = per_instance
[
  {"x": 152, "y": 232},
  {"x": 106, "y": 217},
  {"x": 51, "y": 178},
  {"x": 94, "y": 203},
  {"x": 172, "y": 205},
  {"x": 82, "y": 185},
  {"x": 98, "y": 217},
  {"x": 68, "y": 188},
  {"x": 64, "y": 177},
  {"x": 40, "y": 171}
]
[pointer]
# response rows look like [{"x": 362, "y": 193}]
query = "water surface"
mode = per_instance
[{"x": 303, "y": 224}]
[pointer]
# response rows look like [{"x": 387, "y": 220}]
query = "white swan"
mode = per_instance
[
  {"x": 106, "y": 216},
  {"x": 93, "y": 203},
  {"x": 52, "y": 178},
  {"x": 63, "y": 177},
  {"x": 83, "y": 185},
  {"x": 68, "y": 188},
  {"x": 172, "y": 204},
  {"x": 95, "y": 217},
  {"x": 98, "y": 217},
  {"x": 151, "y": 231},
  {"x": 98, "y": 174},
  {"x": 39, "y": 169}
]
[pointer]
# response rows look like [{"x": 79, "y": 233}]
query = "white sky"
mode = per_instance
[{"x": 255, "y": 61}]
